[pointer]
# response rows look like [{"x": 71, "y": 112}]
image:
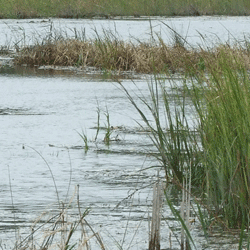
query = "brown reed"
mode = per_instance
[{"x": 114, "y": 54}]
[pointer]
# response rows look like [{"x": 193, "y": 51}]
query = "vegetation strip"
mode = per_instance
[
  {"x": 112, "y": 8},
  {"x": 113, "y": 54}
]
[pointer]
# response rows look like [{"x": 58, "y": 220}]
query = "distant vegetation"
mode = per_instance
[
  {"x": 112, "y": 8},
  {"x": 112, "y": 54}
]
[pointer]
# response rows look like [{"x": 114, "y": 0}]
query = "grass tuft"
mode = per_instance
[{"x": 225, "y": 134}]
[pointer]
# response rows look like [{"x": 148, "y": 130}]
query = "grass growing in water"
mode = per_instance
[
  {"x": 111, "y": 54},
  {"x": 108, "y": 129},
  {"x": 220, "y": 164},
  {"x": 84, "y": 137},
  {"x": 217, "y": 155},
  {"x": 225, "y": 134},
  {"x": 59, "y": 231}
]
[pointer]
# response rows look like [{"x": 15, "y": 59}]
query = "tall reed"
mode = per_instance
[
  {"x": 169, "y": 130},
  {"x": 225, "y": 135},
  {"x": 216, "y": 152}
]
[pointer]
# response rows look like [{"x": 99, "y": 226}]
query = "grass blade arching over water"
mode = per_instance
[{"x": 169, "y": 130}]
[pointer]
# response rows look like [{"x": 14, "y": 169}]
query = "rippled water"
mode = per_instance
[
  {"x": 42, "y": 114},
  {"x": 204, "y": 31}
]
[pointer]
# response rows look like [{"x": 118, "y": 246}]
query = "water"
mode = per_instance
[
  {"x": 42, "y": 114},
  {"x": 197, "y": 31}
]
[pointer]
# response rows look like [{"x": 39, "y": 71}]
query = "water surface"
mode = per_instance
[
  {"x": 40, "y": 118},
  {"x": 197, "y": 31}
]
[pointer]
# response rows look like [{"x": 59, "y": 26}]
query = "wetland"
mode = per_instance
[{"x": 44, "y": 110}]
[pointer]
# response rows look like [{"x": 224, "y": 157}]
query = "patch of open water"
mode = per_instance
[
  {"x": 45, "y": 113},
  {"x": 197, "y": 31}
]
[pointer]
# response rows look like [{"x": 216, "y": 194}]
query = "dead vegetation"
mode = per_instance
[
  {"x": 63, "y": 229},
  {"x": 140, "y": 57}
]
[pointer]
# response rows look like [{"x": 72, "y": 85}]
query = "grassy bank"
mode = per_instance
[{"x": 111, "y": 8}]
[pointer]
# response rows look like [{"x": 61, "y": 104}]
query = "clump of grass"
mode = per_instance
[
  {"x": 174, "y": 139},
  {"x": 84, "y": 137},
  {"x": 225, "y": 133},
  {"x": 177, "y": 150},
  {"x": 215, "y": 153},
  {"x": 102, "y": 54},
  {"x": 112, "y": 54}
]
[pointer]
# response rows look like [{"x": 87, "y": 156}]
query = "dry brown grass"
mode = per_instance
[
  {"x": 124, "y": 56},
  {"x": 65, "y": 229}
]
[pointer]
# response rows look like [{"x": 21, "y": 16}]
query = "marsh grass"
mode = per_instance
[
  {"x": 177, "y": 147},
  {"x": 109, "y": 53},
  {"x": 215, "y": 153},
  {"x": 84, "y": 137},
  {"x": 225, "y": 133},
  {"x": 169, "y": 130},
  {"x": 112, "y": 8},
  {"x": 108, "y": 128}
]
